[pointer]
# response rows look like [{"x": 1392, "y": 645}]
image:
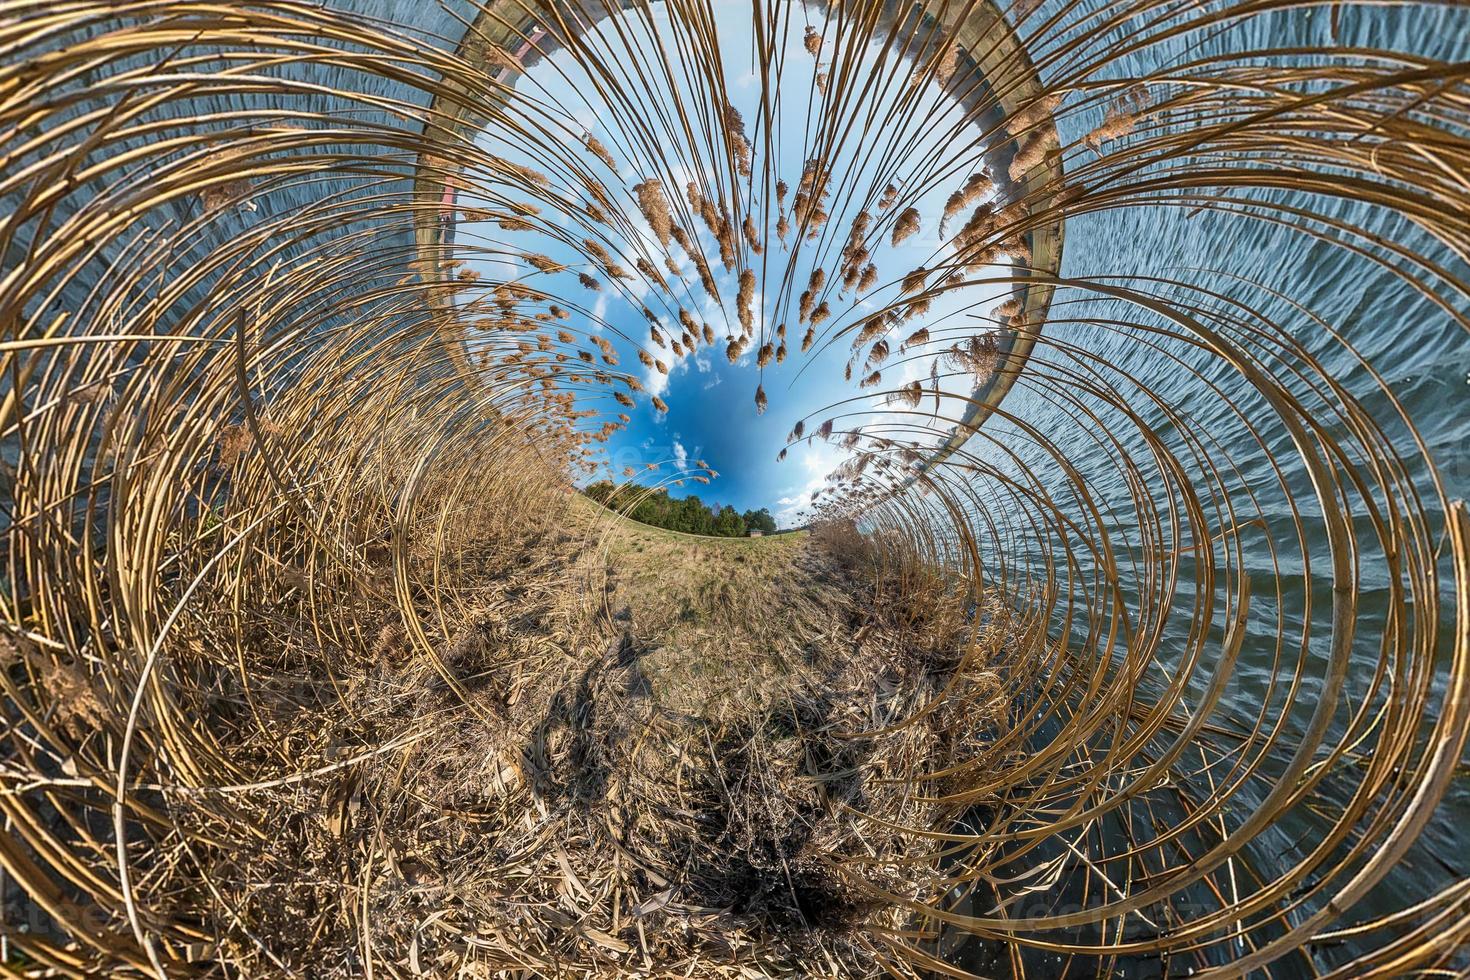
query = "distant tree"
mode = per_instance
[
  {"x": 690, "y": 514},
  {"x": 759, "y": 520},
  {"x": 729, "y": 524},
  {"x": 601, "y": 491}
]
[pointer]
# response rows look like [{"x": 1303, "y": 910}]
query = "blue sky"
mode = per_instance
[{"x": 712, "y": 415}]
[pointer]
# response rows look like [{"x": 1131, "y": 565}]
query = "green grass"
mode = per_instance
[{"x": 717, "y": 622}]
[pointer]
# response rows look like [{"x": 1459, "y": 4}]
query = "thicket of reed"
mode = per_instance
[{"x": 309, "y": 667}]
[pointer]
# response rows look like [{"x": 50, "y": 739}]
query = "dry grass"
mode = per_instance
[
  {"x": 640, "y": 753},
  {"x": 311, "y": 669},
  {"x": 722, "y": 623}
]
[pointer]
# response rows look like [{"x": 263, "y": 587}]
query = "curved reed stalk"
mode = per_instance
[{"x": 1165, "y": 655}]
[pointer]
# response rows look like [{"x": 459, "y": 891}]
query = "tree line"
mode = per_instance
[{"x": 690, "y": 514}]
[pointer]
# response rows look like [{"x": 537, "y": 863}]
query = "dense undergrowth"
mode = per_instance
[
  {"x": 1131, "y": 634},
  {"x": 630, "y": 749}
]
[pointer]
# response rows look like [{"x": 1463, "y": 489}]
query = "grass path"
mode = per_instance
[{"x": 720, "y": 624}]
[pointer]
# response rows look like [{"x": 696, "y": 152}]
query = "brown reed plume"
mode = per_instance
[{"x": 313, "y": 664}]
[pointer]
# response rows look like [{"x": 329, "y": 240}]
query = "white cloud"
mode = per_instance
[
  {"x": 681, "y": 455},
  {"x": 655, "y": 382},
  {"x": 818, "y": 459}
]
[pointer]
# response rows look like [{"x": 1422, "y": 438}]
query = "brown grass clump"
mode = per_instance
[
  {"x": 946, "y": 62},
  {"x": 74, "y": 697},
  {"x": 745, "y": 300},
  {"x": 541, "y": 262},
  {"x": 1121, "y": 117},
  {"x": 752, "y": 236},
  {"x": 808, "y": 208},
  {"x": 237, "y": 442},
  {"x": 812, "y": 41},
  {"x": 1009, "y": 309},
  {"x": 1033, "y": 114},
  {"x": 227, "y": 193},
  {"x": 600, "y": 151},
  {"x": 739, "y": 143},
  {"x": 905, "y": 227},
  {"x": 655, "y": 207},
  {"x": 1032, "y": 151},
  {"x": 978, "y": 354},
  {"x": 910, "y": 395},
  {"x": 649, "y": 272},
  {"x": 804, "y": 306},
  {"x": 976, "y": 186}
]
